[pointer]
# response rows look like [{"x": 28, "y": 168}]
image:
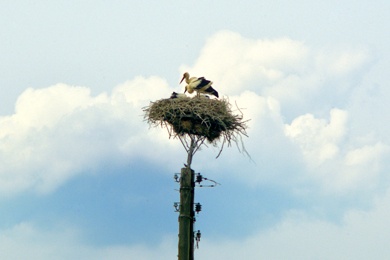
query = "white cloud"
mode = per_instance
[
  {"x": 280, "y": 84},
  {"x": 310, "y": 154},
  {"x": 300, "y": 78},
  {"x": 365, "y": 155},
  {"x": 339, "y": 63},
  {"x": 232, "y": 61},
  {"x": 333, "y": 157},
  {"x": 360, "y": 235},
  {"x": 297, "y": 138},
  {"x": 61, "y": 131},
  {"x": 290, "y": 91},
  {"x": 318, "y": 140},
  {"x": 24, "y": 241}
]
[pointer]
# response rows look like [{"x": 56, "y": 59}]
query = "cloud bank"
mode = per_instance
[
  {"x": 62, "y": 131},
  {"x": 299, "y": 101},
  {"x": 308, "y": 134},
  {"x": 300, "y": 78},
  {"x": 290, "y": 92}
]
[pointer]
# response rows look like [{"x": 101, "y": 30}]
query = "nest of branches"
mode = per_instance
[{"x": 210, "y": 119}]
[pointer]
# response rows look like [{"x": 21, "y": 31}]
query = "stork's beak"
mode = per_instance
[
  {"x": 182, "y": 80},
  {"x": 185, "y": 90}
]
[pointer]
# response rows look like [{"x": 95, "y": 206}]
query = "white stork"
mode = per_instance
[
  {"x": 177, "y": 95},
  {"x": 200, "y": 85}
]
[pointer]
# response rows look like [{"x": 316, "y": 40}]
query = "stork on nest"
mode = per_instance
[
  {"x": 200, "y": 85},
  {"x": 196, "y": 120}
]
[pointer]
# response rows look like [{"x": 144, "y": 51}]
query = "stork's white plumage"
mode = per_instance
[
  {"x": 200, "y": 85},
  {"x": 177, "y": 95}
]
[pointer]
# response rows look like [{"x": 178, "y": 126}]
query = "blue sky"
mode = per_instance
[{"x": 82, "y": 175}]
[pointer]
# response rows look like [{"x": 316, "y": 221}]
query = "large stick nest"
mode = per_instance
[{"x": 199, "y": 116}]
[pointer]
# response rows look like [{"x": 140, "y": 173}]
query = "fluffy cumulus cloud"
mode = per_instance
[
  {"x": 306, "y": 135},
  {"x": 61, "y": 131},
  {"x": 332, "y": 154},
  {"x": 25, "y": 240},
  {"x": 318, "y": 139},
  {"x": 360, "y": 235},
  {"x": 298, "y": 100},
  {"x": 239, "y": 62},
  {"x": 299, "y": 77},
  {"x": 287, "y": 90}
]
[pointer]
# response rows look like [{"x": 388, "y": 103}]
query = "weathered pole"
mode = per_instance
[
  {"x": 186, "y": 220},
  {"x": 186, "y": 217},
  {"x": 192, "y": 215}
]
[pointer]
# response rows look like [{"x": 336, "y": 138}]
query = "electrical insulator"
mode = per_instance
[
  {"x": 197, "y": 238},
  {"x": 198, "y": 208},
  {"x": 199, "y": 178},
  {"x": 198, "y": 235},
  {"x": 176, "y": 206}
]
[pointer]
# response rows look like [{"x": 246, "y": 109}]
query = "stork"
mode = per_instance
[
  {"x": 177, "y": 95},
  {"x": 200, "y": 85}
]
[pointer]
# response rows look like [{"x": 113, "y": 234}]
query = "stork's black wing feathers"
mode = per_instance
[
  {"x": 211, "y": 91},
  {"x": 203, "y": 82}
]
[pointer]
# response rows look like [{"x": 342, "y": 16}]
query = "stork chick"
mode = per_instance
[{"x": 177, "y": 95}]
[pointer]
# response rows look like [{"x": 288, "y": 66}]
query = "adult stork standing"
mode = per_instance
[{"x": 200, "y": 85}]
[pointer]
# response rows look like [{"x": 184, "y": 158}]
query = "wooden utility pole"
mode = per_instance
[{"x": 186, "y": 217}]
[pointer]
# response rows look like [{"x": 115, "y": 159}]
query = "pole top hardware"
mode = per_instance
[
  {"x": 199, "y": 178},
  {"x": 197, "y": 238},
  {"x": 198, "y": 208},
  {"x": 176, "y": 205},
  {"x": 176, "y": 177}
]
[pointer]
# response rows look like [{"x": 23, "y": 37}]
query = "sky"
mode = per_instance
[{"x": 83, "y": 176}]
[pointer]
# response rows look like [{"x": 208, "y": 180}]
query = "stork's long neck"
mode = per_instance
[{"x": 187, "y": 77}]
